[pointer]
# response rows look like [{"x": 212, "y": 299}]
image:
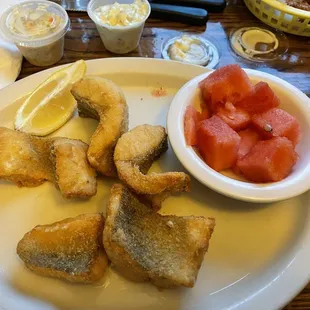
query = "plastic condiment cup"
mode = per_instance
[
  {"x": 117, "y": 39},
  {"x": 41, "y": 50}
]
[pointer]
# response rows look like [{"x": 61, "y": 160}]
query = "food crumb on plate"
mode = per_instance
[
  {"x": 159, "y": 92},
  {"x": 170, "y": 224}
]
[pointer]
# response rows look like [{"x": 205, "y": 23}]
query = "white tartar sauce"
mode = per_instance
[
  {"x": 189, "y": 49},
  {"x": 117, "y": 14}
]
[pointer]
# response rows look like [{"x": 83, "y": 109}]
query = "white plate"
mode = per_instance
[
  {"x": 292, "y": 100},
  {"x": 259, "y": 254}
]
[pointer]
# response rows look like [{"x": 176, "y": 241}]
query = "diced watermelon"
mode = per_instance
[
  {"x": 217, "y": 143},
  {"x": 205, "y": 113},
  {"x": 191, "y": 120},
  {"x": 236, "y": 118},
  {"x": 249, "y": 137},
  {"x": 226, "y": 84},
  {"x": 259, "y": 100},
  {"x": 277, "y": 123},
  {"x": 205, "y": 95},
  {"x": 269, "y": 161}
]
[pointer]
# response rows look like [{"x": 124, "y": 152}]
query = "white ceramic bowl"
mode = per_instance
[{"x": 292, "y": 100}]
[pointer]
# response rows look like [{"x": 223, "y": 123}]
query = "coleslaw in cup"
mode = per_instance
[
  {"x": 37, "y": 28},
  {"x": 119, "y": 25}
]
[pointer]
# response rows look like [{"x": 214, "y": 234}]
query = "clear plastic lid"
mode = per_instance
[
  {"x": 258, "y": 44},
  {"x": 34, "y": 23}
]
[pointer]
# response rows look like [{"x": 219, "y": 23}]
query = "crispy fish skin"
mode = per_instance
[
  {"x": 70, "y": 249},
  {"x": 75, "y": 177},
  {"x": 134, "y": 154},
  {"x": 30, "y": 161},
  {"x": 146, "y": 246},
  {"x": 103, "y": 100}
]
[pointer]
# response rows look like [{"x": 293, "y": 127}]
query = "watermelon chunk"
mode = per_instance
[
  {"x": 205, "y": 113},
  {"x": 217, "y": 143},
  {"x": 236, "y": 118},
  {"x": 269, "y": 161},
  {"x": 249, "y": 137},
  {"x": 277, "y": 123},
  {"x": 226, "y": 84},
  {"x": 259, "y": 100},
  {"x": 205, "y": 95},
  {"x": 191, "y": 120}
]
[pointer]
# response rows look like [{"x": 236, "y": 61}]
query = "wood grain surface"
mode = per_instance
[{"x": 83, "y": 42}]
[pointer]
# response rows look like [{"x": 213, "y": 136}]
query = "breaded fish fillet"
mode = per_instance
[
  {"x": 134, "y": 154},
  {"x": 146, "y": 246},
  {"x": 103, "y": 100},
  {"x": 73, "y": 174},
  {"x": 70, "y": 249},
  {"x": 24, "y": 159},
  {"x": 29, "y": 161}
]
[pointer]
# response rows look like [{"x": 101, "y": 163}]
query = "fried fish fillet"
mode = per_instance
[
  {"x": 103, "y": 100},
  {"x": 299, "y": 4},
  {"x": 73, "y": 174},
  {"x": 70, "y": 249},
  {"x": 24, "y": 159},
  {"x": 29, "y": 161},
  {"x": 146, "y": 246},
  {"x": 134, "y": 154}
]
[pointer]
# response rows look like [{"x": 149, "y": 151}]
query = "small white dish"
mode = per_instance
[
  {"x": 292, "y": 100},
  {"x": 212, "y": 57},
  {"x": 10, "y": 63}
]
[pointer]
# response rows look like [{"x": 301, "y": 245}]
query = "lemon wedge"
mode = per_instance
[{"x": 51, "y": 104}]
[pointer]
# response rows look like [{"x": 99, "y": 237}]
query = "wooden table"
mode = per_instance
[{"x": 83, "y": 42}]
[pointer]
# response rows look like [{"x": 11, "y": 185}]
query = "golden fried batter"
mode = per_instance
[
  {"x": 134, "y": 154},
  {"x": 299, "y": 4},
  {"x": 103, "y": 100},
  {"x": 70, "y": 249},
  {"x": 146, "y": 246},
  {"x": 23, "y": 159},
  {"x": 29, "y": 161},
  {"x": 73, "y": 174}
]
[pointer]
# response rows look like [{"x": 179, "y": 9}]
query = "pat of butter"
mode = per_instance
[
  {"x": 122, "y": 14},
  {"x": 189, "y": 49}
]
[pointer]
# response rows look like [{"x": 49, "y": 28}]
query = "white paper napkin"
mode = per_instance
[{"x": 10, "y": 56}]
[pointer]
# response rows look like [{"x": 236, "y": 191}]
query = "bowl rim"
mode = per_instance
[{"x": 240, "y": 190}]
